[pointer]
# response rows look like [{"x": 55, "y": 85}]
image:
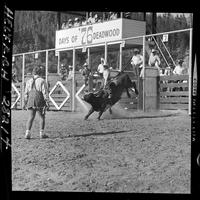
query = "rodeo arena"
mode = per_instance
[{"x": 129, "y": 133}]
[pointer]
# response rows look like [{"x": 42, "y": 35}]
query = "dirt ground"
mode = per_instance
[{"x": 126, "y": 152}]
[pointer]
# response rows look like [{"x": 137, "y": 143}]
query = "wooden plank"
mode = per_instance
[
  {"x": 173, "y": 106},
  {"x": 58, "y": 88},
  {"x": 179, "y": 93},
  {"x": 172, "y": 85},
  {"x": 58, "y": 96},
  {"x": 174, "y": 77},
  {"x": 58, "y": 103},
  {"x": 62, "y": 109},
  {"x": 174, "y": 100}
]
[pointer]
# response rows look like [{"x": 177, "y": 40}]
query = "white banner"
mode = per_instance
[{"x": 90, "y": 34}]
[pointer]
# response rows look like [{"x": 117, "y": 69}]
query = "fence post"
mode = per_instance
[
  {"x": 143, "y": 90},
  {"x": 23, "y": 80},
  {"x": 73, "y": 81},
  {"x": 58, "y": 66},
  {"x": 46, "y": 68},
  {"x": 120, "y": 56},
  {"x": 106, "y": 52},
  {"x": 190, "y": 74},
  {"x": 90, "y": 81}
]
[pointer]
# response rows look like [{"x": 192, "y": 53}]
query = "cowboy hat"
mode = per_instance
[
  {"x": 154, "y": 50},
  {"x": 85, "y": 64},
  {"x": 180, "y": 61}
]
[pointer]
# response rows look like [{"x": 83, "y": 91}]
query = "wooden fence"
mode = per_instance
[
  {"x": 58, "y": 95},
  {"x": 174, "y": 92},
  {"x": 14, "y": 96}
]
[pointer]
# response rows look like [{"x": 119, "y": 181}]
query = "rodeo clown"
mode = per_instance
[{"x": 36, "y": 100}]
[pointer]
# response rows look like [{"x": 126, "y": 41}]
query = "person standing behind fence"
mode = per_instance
[
  {"x": 179, "y": 69},
  {"x": 168, "y": 71},
  {"x": 137, "y": 62},
  {"x": 86, "y": 72},
  {"x": 100, "y": 70},
  {"x": 90, "y": 20},
  {"x": 70, "y": 73},
  {"x": 154, "y": 60},
  {"x": 36, "y": 100},
  {"x": 106, "y": 74}
]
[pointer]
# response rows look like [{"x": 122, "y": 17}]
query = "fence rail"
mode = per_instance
[
  {"x": 174, "y": 93},
  {"x": 174, "y": 90}
]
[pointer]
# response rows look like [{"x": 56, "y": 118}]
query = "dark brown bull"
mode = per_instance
[{"x": 100, "y": 101}]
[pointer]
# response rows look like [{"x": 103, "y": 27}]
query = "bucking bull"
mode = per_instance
[{"x": 100, "y": 101}]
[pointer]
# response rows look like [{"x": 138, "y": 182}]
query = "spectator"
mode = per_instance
[
  {"x": 111, "y": 15},
  {"x": 83, "y": 22},
  {"x": 90, "y": 19},
  {"x": 70, "y": 23},
  {"x": 114, "y": 15},
  {"x": 127, "y": 15},
  {"x": 36, "y": 100},
  {"x": 64, "y": 25},
  {"x": 70, "y": 74},
  {"x": 86, "y": 72},
  {"x": 179, "y": 69},
  {"x": 168, "y": 71},
  {"x": 154, "y": 60},
  {"x": 106, "y": 74},
  {"x": 161, "y": 72},
  {"x": 100, "y": 68},
  {"x": 137, "y": 62},
  {"x": 63, "y": 72},
  {"x": 96, "y": 18},
  {"x": 99, "y": 20},
  {"x": 77, "y": 22}
]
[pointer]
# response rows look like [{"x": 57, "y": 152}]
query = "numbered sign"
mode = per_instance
[
  {"x": 36, "y": 55},
  {"x": 84, "y": 49},
  {"x": 165, "y": 38},
  {"x": 123, "y": 44},
  {"x": 86, "y": 35},
  {"x": 56, "y": 53}
]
